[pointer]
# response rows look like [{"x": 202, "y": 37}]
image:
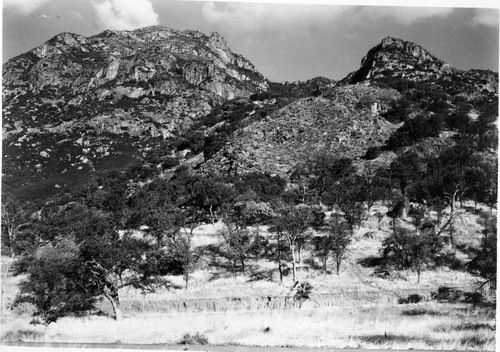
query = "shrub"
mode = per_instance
[
  {"x": 303, "y": 292},
  {"x": 450, "y": 294},
  {"x": 413, "y": 298},
  {"x": 415, "y": 129},
  {"x": 195, "y": 339}
]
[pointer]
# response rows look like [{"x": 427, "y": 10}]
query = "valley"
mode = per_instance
[{"x": 158, "y": 189}]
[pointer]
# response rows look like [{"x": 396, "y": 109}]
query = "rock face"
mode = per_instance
[
  {"x": 76, "y": 104},
  {"x": 396, "y": 58}
]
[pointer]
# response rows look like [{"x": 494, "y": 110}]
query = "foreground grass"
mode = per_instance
[
  {"x": 419, "y": 326},
  {"x": 346, "y": 323}
]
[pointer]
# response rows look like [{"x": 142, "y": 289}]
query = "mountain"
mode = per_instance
[
  {"x": 354, "y": 117},
  {"x": 75, "y": 105},
  {"x": 396, "y": 58},
  {"x": 156, "y": 97}
]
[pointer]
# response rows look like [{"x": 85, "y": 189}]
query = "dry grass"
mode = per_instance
[
  {"x": 425, "y": 325},
  {"x": 420, "y": 326}
]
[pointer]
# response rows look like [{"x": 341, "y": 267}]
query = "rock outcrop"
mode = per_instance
[
  {"x": 396, "y": 58},
  {"x": 121, "y": 92}
]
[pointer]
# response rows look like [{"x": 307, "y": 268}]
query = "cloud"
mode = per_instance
[
  {"x": 403, "y": 15},
  {"x": 258, "y": 16},
  {"x": 485, "y": 17},
  {"x": 123, "y": 15},
  {"x": 24, "y": 6},
  {"x": 261, "y": 15}
]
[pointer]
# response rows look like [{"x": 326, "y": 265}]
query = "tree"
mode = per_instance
[
  {"x": 322, "y": 248},
  {"x": 348, "y": 195},
  {"x": 236, "y": 243},
  {"x": 13, "y": 218},
  {"x": 405, "y": 249},
  {"x": 407, "y": 170},
  {"x": 180, "y": 245},
  {"x": 339, "y": 234},
  {"x": 327, "y": 170},
  {"x": 292, "y": 223},
  {"x": 172, "y": 229},
  {"x": 113, "y": 262},
  {"x": 484, "y": 263},
  {"x": 265, "y": 186},
  {"x": 338, "y": 237},
  {"x": 208, "y": 194},
  {"x": 54, "y": 285},
  {"x": 97, "y": 262},
  {"x": 250, "y": 213}
]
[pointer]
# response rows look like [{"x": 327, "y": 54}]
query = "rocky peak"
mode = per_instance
[
  {"x": 397, "y": 57},
  {"x": 415, "y": 50},
  {"x": 111, "y": 98}
]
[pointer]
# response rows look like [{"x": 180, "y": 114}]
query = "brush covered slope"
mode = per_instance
[
  {"x": 75, "y": 105},
  {"x": 402, "y": 100},
  {"x": 345, "y": 122}
]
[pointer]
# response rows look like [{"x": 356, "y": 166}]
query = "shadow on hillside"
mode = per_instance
[{"x": 372, "y": 261}]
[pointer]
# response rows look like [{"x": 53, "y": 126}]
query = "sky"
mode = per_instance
[{"x": 285, "y": 41}]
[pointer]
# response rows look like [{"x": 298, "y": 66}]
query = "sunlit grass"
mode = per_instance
[
  {"x": 423, "y": 326},
  {"x": 356, "y": 317}
]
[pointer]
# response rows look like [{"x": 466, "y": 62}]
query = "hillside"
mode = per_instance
[
  {"x": 345, "y": 123},
  {"x": 76, "y": 105},
  {"x": 156, "y": 172},
  {"x": 399, "y": 87}
]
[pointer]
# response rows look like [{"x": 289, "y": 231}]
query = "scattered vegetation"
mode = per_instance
[{"x": 429, "y": 153}]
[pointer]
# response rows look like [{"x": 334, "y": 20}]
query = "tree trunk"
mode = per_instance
[
  {"x": 242, "y": 266},
  {"x": 11, "y": 243},
  {"x": 324, "y": 264},
  {"x": 115, "y": 304},
  {"x": 294, "y": 268},
  {"x": 212, "y": 218},
  {"x": 280, "y": 268},
  {"x": 186, "y": 279},
  {"x": 452, "y": 209}
]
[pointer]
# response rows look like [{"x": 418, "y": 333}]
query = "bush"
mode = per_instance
[
  {"x": 398, "y": 111},
  {"x": 169, "y": 163},
  {"x": 413, "y": 298},
  {"x": 449, "y": 294},
  {"x": 195, "y": 339},
  {"x": 265, "y": 186},
  {"x": 303, "y": 292},
  {"x": 415, "y": 129}
]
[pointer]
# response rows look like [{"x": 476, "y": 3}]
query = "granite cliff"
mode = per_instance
[{"x": 74, "y": 105}]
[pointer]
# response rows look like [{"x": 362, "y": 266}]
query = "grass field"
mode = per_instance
[
  {"x": 359, "y": 310},
  {"x": 417, "y": 326}
]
